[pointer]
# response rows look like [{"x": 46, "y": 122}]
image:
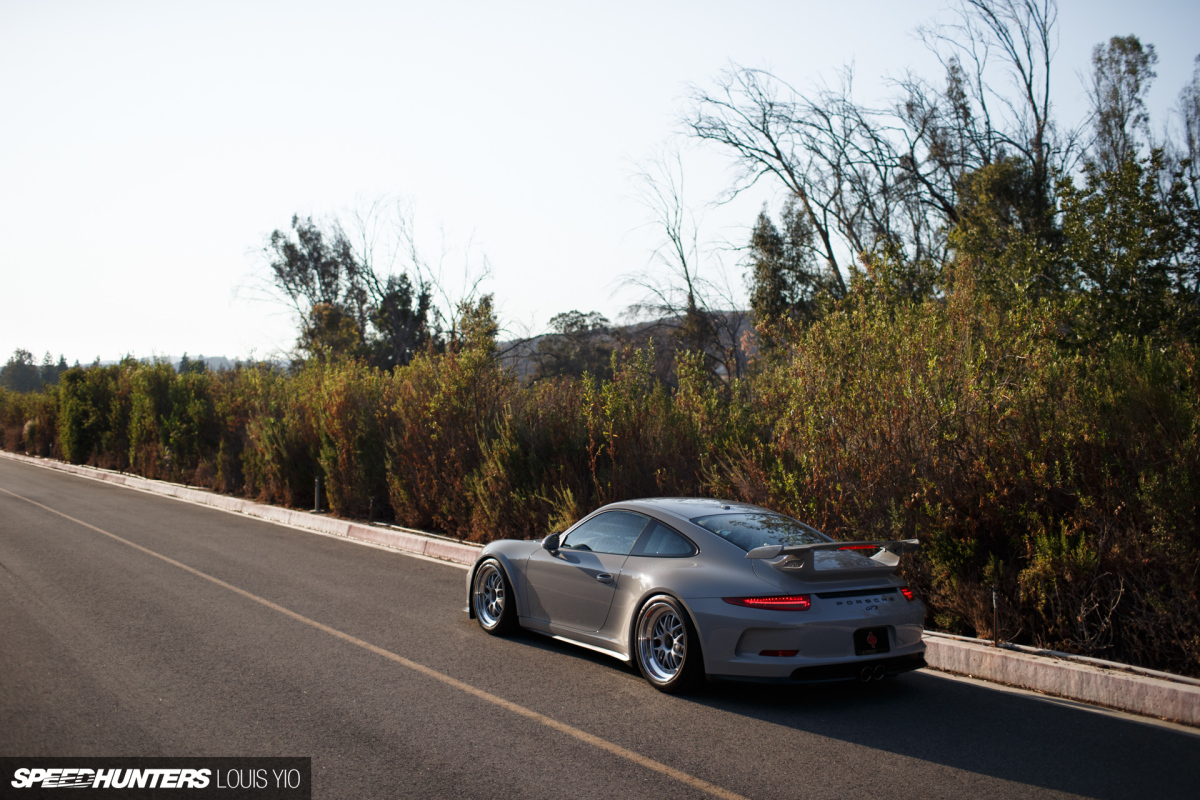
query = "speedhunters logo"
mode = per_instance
[
  {"x": 262, "y": 778},
  {"x": 69, "y": 778}
]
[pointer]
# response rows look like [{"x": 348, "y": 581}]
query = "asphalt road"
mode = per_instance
[{"x": 107, "y": 649}]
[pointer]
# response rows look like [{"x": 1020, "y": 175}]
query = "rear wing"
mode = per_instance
[{"x": 800, "y": 559}]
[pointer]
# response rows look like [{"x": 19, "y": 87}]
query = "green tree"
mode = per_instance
[
  {"x": 476, "y": 327},
  {"x": 345, "y": 308},
  {"x": 190, "y": 365},
  {"x": 312, "y": 267},
  {"x": 320, "y": 276},
  {"x": 50, "y": 370},
  {"x": 1120, "y": 245},
  {"x": 20, "y": 374},
  {"x": 330, "y": 332},
  {"x": 1122, "y": 72},
  {"x": 1004, "y": 237},
  {"x": 580, "y": 343},
  {"x": 400, "y": 315},
  {"x": 783, "y": 277}
]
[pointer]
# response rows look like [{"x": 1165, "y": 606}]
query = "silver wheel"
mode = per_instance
[
  {"x": 490, "y": 595},
  {"x": 662, "y": 640}
]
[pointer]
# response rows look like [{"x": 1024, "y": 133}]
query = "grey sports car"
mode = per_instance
[{"x": 687, "y": 588}]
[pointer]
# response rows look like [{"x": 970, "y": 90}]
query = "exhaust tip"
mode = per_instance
[
  {"x": 880, "y": 672},
  {"x": 865, "y": 675}
]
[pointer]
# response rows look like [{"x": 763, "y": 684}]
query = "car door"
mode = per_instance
[{"x": 573, "y": 586}]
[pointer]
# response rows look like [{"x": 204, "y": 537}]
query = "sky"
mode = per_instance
[{"x": 149, "y": 149}]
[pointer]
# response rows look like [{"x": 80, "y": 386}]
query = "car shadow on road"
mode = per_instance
[
  {"x": 967, "y": 726},
  {"x": 982, "y": 730}
]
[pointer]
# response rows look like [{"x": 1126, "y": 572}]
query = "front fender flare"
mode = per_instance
[{"x": 510, "y": 572}]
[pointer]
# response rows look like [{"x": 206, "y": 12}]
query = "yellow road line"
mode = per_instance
[{"x": 549, "y": 722}]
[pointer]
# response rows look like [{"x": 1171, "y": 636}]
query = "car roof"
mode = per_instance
[{"x": 689, "y": 508}]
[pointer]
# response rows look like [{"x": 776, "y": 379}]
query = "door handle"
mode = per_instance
[{"x": 604, "y": 577}]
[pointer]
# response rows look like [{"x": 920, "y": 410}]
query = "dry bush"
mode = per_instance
[
  {"x": 445, "y": 408},
  {"x": 281, "y": 456},
  {"x": 351, "y": 410},
  {"x": 1068, "y": 480}
]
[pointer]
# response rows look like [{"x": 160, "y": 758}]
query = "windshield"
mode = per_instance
[{"x": 749, "y": 531}]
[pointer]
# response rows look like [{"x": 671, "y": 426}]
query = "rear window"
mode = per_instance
[{"x": 749, "y": 530}]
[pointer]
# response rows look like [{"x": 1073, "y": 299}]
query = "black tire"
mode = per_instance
[
  {"x": 666, "y": 646},
  {"x": 492, "y": 599}
]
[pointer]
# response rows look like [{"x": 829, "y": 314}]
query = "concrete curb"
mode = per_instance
[
  {"x": 1112, "y": 687},
  {"x": 1096, "y": 682}
]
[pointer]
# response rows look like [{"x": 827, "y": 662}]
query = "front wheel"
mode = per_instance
[
  {"x": 492, "y": 599},
  {"x": 666, "y": 646}
]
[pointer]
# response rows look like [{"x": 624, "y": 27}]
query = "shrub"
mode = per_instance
[
  {"x": 351, "y": 410},
  {"x": 28, "y": 421},
  {"x": 445, "y": 409},
  {"x": 151, "y": 414},
  {"x": 640, "y": 444},
  {"x": 281, "y": 459},
  {"x": 1067, "y": 480},
  {"x": 533, "y": 475},
  {"x": 91, "y": 415}
]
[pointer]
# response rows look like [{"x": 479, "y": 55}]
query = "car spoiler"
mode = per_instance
[{"x": 800, "y": 559}]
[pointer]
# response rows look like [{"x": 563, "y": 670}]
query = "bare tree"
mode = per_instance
[
  {"x": 848, "y": 168},
  {"x": 701, "y": 313},
  {"x": 887, "y": 179},
  {"x": 1020, "y": 36},
  {"x": 1183, "y": 194},
  {"x": 774, "y": 131},
  {"x": 398, "y": 279}
]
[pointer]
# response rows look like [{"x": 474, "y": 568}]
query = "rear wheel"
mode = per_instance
[
  {"x": 666, "y": 646},
  {"x": 492, "y": 599}
]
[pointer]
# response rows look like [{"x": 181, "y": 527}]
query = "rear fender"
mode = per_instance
[{"x": 630, "y": 632}]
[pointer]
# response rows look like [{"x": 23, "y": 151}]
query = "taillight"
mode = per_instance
[
  {"x": 778, "y": 653},
  {"x": 786, "y": 602},
  {"x": 860, "y": 547},
  {"x": 908, "y": 593}
]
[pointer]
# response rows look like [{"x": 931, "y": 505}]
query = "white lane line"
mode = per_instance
[{"x": 549, "y": 722}]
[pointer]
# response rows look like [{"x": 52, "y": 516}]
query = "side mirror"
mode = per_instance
[{"x": 551, "y": 542}]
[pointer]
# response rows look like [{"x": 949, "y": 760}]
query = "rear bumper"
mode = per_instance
[
  {"x": 752, "y": 644},
  {"x": 861, "y": 670}
]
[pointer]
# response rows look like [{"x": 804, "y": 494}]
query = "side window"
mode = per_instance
[
  {"x": 612, "y": 532},
  {"x": 659, "y": 540}
]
